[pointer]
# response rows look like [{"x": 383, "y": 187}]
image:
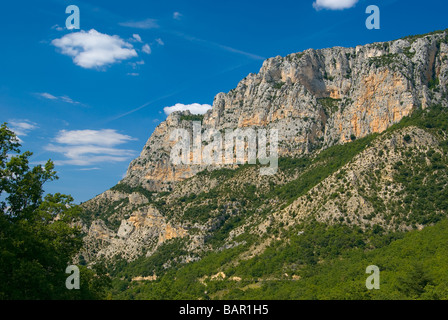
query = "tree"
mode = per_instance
[
  {"x": 413, "y": 284},
  {"x": 39, "y": 234}
]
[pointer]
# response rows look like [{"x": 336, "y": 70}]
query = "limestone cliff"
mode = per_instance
[{"x": 315, "y": 99}]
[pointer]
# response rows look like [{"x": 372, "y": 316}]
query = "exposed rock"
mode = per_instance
[
  {"x": 315, "y": 99},
  {"x": 148, "y": 278},
  {"x": 141, "y": 233}
]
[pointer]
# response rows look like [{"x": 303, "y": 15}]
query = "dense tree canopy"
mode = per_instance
[{"x": 38, "y": 234}]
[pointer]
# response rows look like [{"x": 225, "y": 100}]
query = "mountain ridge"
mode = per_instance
[
  {"x": 366, "y": 152},
  {"x": 334, "y": 90}
]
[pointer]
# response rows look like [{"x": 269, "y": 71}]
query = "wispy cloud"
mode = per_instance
[
  {"x": 93, "y": 49},
  {"x": 334, "y": 4},
  {"x": 143, "y": 105},
  {"x": 104, "y": 137},
  {"x": 160, "y": 42},
  {"x": 66, "y": 99},
  {"x": 144, "y": 24},
  {"x": 137, "y": 37},
  {"x": 47, "y": 95},
  {"x": 146, "y": 49},
  {"x": 57, "y": 27},
  {"x": 218, "y": 45},
  {"x": 194, "y": 108},
  {"x": 89, "y": 147},
  {"x": 136, "y": 64},
  {"x": 177, "y": 15},
  {"x": 21, "y": 127}
]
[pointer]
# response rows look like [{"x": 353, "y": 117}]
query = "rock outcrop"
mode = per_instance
[
  {"x": 315, "y": 99},
  {"x": 140, "y": 234}
]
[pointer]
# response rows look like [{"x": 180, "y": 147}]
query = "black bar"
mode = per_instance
[{"x": 220, "y": 309}]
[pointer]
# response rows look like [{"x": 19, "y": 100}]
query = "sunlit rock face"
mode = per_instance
[{"x": 315, "y": 99}]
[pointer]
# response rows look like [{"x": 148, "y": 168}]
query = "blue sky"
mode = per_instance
[{"x": 89, "y": 99}]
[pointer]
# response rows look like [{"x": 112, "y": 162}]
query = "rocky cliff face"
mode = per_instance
[
  {"x": 139, "y": 234},
  {"x": 315, "y": 99}
]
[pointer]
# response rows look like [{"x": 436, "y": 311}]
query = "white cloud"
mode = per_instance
[
  {"x": 334, "y": 4},
  {"x": 57, "y": 27},
  {"x": 137, "y": 37},
  {"x": 21, "y": 127},
  {"x": 177, "y": 15},
  {"x": 160, "y": 42},
  {"x": 104, "y": 137},
  {"x": 93, "y": 49},
  {"x": 134, "y": 74},
  {"x": 88, "y": 155},
  {"x": 68, "y": 100},
  {"x": 87, "y": 147},
  {"x": 135, "y": 65},
  {"x": 146, "y": 49},
  {"x": 145, "y": 24},
  {"x": 49, "y": 96},
  {"x": 194, "y": 108}
]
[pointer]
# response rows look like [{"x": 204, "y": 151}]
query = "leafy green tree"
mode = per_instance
[
  {"x": 38, "y": 234},
  {"x": 413, "y": 284}
]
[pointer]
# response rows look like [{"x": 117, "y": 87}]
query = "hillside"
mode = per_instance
[{"x": 362, "y": 175}]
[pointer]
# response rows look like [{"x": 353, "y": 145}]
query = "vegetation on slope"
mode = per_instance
[
  {"x": 311, "y": 260},
  {"x": 332, "y": 263}
]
